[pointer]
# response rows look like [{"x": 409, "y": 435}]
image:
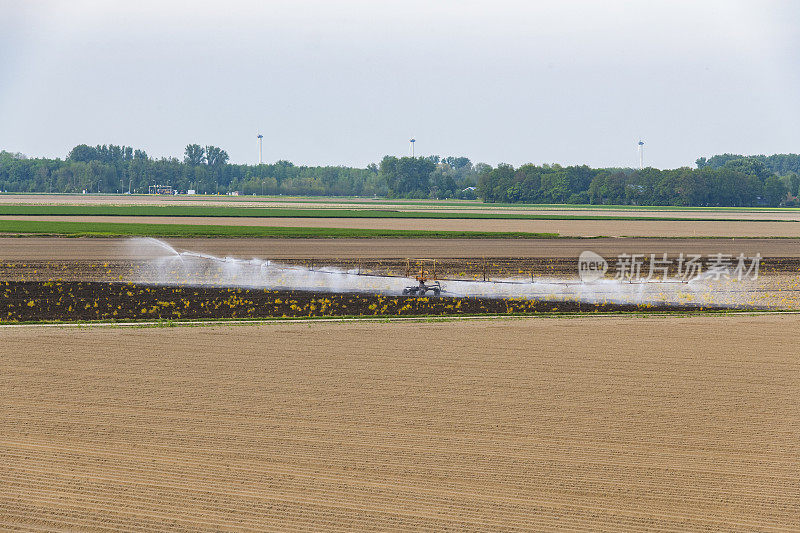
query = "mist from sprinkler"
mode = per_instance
[{"x": 169, "y": 266}]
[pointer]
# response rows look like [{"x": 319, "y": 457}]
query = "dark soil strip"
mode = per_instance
[{"x": 81, "y": 301}]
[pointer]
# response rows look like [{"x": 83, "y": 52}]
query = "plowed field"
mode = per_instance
[
  {"x": 565, "y": 228},
  {"x": 54, "y": 248},
  {"x": 400, "y": 205},
  {"x": 593, "y": 424}
]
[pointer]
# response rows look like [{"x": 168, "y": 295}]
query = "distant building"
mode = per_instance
[{"x": 160, "y": 189}]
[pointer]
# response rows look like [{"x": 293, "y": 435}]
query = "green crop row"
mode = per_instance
[{"x": 114, "y": 229}]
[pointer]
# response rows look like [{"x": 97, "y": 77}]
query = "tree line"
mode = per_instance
[
  {"x": 204, "y": 169},
  {"x": 731, "y": 185},
  {"x": 780, "y": 164},
  {"x": 721, "y": 180}
]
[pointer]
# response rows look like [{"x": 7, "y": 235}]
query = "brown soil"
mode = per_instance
[
  {"x": 443, "y": 268},
  {"x": 102, "y": 249},
  {"x": 590, "y": 423},
  {"x": 566, "y": 228}
]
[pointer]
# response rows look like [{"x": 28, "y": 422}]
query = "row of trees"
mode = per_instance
[
  {"x": 780, "y": 164},
  {"x": 205, "y": 169},
  {"x": 736, "y": 183},
  {"x": 722, "y": 180},
  {"x": 429, "y": 177}
]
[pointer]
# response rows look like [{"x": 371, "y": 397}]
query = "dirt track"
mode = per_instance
[
  {"x": 592, "y": 423},
  {"x": 565, "y": 228},
  {"x": 101, "y": 249}
]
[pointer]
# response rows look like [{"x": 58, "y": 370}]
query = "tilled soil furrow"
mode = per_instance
[
  {"x": 747, "y": 453},
  {"x": 595, "y": 473},
  {"x": 594, "y": 424},
  {"x": 443, "y": 506}
]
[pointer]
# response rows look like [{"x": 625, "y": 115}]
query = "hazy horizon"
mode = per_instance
[{"x": 346, "y": 83}]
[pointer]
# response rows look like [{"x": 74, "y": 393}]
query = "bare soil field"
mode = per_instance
[
  {"x": 595, "y": 424},
  {"x": 364, "y": 203},
  {"x": 106, "y": 249},
  {"x": 443, "y": 268},
  {"x": 565, "y": 228}
]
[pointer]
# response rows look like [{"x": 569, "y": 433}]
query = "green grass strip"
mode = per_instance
[
  {"x": 280, "y": 212},
  {"x": 115, "y": 229}
]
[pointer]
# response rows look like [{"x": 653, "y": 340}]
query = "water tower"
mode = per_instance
[
  {"x": 260, "y": 159},
  {"x": 412, "y": 141},
  {"x": 641, "y": 154}
]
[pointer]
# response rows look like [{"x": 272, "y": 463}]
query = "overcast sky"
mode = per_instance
[{"x": 347, "y": 82}]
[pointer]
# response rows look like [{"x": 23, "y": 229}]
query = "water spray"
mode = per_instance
[{"x": 169, "y": 266}]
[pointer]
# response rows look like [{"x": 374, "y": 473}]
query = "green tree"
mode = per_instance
[
  {"x": 407, "y": 177},
  {"x": 215, "y": 157},
  {"x": 751, "y": 166},
  {"x": 774, "y": 191},
  {"x": 82, "y": 152},
  {"x": 794, "y": 184},
  {"x": 194, "y": 155}
]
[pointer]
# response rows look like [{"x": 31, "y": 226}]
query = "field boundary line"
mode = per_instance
[{"x": 431, "y": 318}]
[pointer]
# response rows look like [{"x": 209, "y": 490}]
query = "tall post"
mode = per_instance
[
  {"x": 260, "y": 153},
  {"x": 412, "y": 141}
]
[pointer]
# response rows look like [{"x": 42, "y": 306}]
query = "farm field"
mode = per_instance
[
  {"x": 145, "y": 228},
  {"x": 564, "y": 228},
  {"x": 441, "y": 206},
  {"x": 292, "y": 212},
  {"x": 544, "y": 269},
  {"x": 78, "y": 301},
  {"x": 107, "y": 249},
  {"x": 392, "y": 267},
  {"x": 596, "y": 423}
]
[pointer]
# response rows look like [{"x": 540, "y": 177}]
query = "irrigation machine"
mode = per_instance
[{"x": 425, "y": 284}]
